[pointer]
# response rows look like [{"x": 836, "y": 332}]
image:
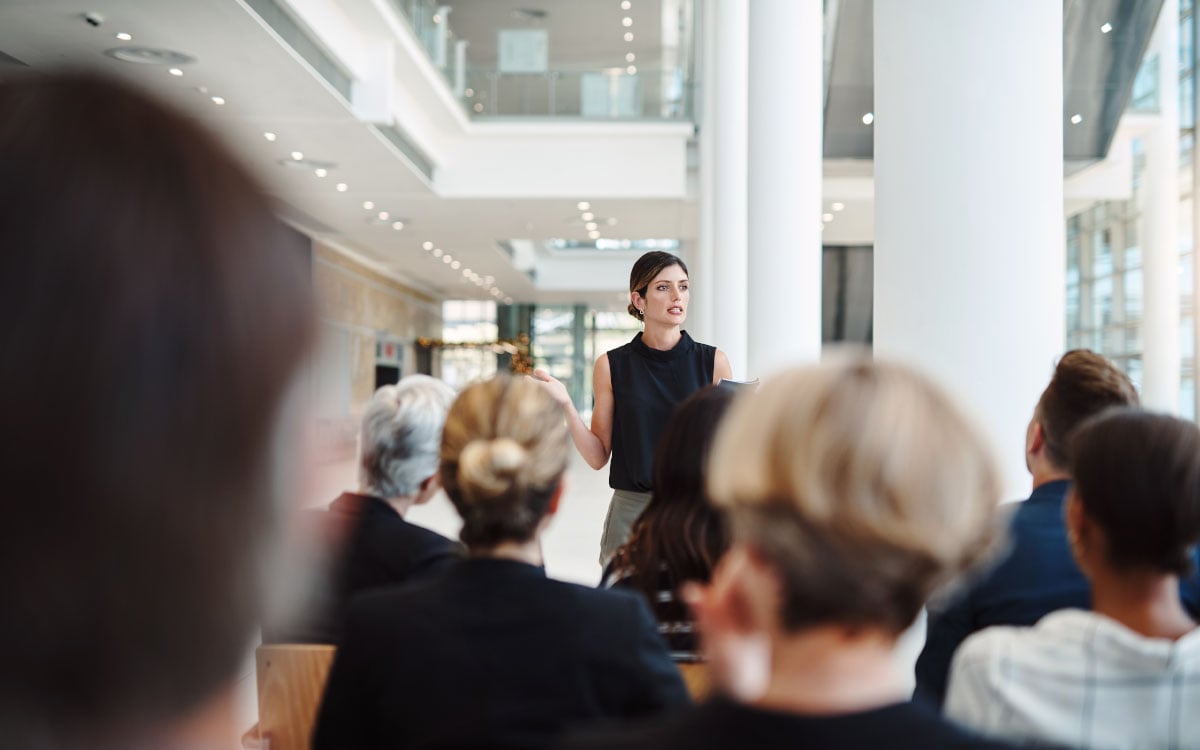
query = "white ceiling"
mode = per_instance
[{"x": 267, "y": 88}]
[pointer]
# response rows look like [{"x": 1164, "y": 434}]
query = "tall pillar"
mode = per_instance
[
  {"x": 729, "y": 83},
  {"x": 700, "y": 311},
  {"x": 785, "y": 184},
  {"x": 1160, "y": 226},
  {"x": 969, "y": 257}
]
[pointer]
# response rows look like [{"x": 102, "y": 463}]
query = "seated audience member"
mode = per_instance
[
  {"x": 494, "y": 653},
  {"x": 153, "y": 315},
  {"x": 1038, "y": 575},
  {"x": 1127, "y": 673},
  {"x": 680, "y": 536},
  {"x": 854, "y": 489},
  {"x": 372, "y": 545}
]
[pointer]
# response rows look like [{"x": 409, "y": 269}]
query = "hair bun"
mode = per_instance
[{"x": 488, "y": 467}]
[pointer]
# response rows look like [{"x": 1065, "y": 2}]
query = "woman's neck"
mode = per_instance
[
  {"x": 526, "y": 552},
  {"x": 1145, "y": 602},
  {"x": 661, "y": 338},
  {"x": 831, "y": 670}
]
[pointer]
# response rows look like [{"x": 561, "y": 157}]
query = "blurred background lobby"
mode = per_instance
[{"x": 971, "y": 186}]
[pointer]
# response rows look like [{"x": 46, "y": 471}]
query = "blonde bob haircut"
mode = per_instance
[
  {"x": 504, "y": 450},
  {"x": 861, "y": 484}
]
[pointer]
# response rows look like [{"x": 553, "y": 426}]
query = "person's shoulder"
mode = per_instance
[
  {"x": 920, "y": 727},
  {"x": 676, "y": 730}
]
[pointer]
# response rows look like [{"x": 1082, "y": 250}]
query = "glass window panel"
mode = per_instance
[
  {"x": 1102, "y": 301},
  {"x": 1102, "y": 262},
  {"x": 1187, "y": 337},
  {"x": 1073, "y": 307},
  {"x": 1185, "y": 280},
  {"x": 1133, "y": 340},
  {"x": 1132, "y": 287},
  {"x": 1133, "y": 368}
]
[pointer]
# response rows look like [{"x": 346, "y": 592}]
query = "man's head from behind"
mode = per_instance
[
  {"x": 1084, "y": 384},
  {"x": 401, "y": 436}
]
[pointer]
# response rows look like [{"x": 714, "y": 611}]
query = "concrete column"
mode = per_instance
[
  {"x": 1160, "y": 226},
  {"x": 700, "y": 260},
  {"x": 969, "y": 256},
  {"x": 729, "y": 83},
  {"x": 786, "y": 77}
]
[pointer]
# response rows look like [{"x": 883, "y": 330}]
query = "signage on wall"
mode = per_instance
[{"x": 389, "y": 351}]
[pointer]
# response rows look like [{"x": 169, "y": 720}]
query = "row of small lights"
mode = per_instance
[
  {"x": 590, "y": 221},
  {"x": 178, "y": 73},
  {"x": 835, "y": 207},
  {"x": 487, "y": 283},
  {"x": 1076, "y": 118},
  {"x": 627, "y": 22}
]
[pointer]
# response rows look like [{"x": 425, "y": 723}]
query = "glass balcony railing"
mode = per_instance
[{"x": 597, "y": 93}]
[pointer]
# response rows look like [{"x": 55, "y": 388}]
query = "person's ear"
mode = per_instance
[
  {"x": 1037, "y": 438},
  {"x": 552, "y": 506},
  {"x": 429, "y": 487}
]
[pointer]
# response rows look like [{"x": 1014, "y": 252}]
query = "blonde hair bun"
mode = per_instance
[{"x": 488, "y": 467}]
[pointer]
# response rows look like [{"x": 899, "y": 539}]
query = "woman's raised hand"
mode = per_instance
[{"x": 552, "y": 386}]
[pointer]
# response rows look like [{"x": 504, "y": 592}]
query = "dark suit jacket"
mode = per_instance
[
  {"x": 1037, "y": 577},
  {"x": 492, "y": 654},
  {"x": 372, "y": 547}
]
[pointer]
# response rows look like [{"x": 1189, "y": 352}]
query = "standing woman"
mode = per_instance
[{"x": 636, "y": 387}]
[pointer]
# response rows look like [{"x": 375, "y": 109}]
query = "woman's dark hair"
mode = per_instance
[
  {"x": 504, "y": 450},
  {"x": 152, "y": 314},
  {"x": 680, "y": 528},
  {"x": 1084, "y": 384},
  {"x": 645, "y": 269},
  {"x": 1137, "y": 475}
]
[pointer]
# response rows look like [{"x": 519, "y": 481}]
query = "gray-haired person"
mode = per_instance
[{"x": 371, "y": 544}]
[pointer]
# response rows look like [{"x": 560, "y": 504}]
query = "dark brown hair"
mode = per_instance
[
  {"x": 152, "y": 312},
  {"x": 504, "y": 450},
  {"x": 680, "y": 528},
  {"x": 1137, "y": 475},
  {"x": 1084, "y": 384},
  {"x": 645, "y": 269}
]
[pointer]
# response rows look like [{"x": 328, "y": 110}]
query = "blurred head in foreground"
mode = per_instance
[
  {"x": 854, "y": 489},
  {"x": 504, "y": 451},
  {"x": 152, "y": 315}
]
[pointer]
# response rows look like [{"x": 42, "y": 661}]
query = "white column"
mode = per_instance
[
  {"x": 700, "y": 312},
  {"x": 786, "y": 71},
  {"x": 729, "y": 82},
  {"x": 1160, "y": 226},
  {"x": 969, "y": 257}
]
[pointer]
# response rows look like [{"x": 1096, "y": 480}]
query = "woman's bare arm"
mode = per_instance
[
  {"x": 721, "y": 367},
  {"x": 594, "y": 443}
]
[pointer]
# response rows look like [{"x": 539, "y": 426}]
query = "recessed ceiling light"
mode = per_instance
[
  {"x": 591, "y": 226},
  {"x": 583, "y": 205},
  {"x": 437, "y": 252},
  {"x": 1076, "y": 118},
  {"x": 594, "y": 234},
  {"x": 397, "y": 225},
  {"x": 478, "y": 106},
  {"x": 827, "y": 217},
  {"x": 218, "y": 100},
  {"x": 269, "y": 136},
  {"x": 631, "y": 70},
  {"x": 437, "y": 18},
  {"x": 342, "y": 187},
  {"x": 175, "y": 72},
  {"x": 630, "y": 57},
  {"x": 467, "y": 272},
  {"x": 149, "y": 56},
  {"x": 383, "y": 215},
  {"x": 455, "y": 265},
  {"x": 629, "y": 36},
  {"x": 1107, "y": 27},
  {"x": 469, "y": 93},
  {"x": 125, "y": 37},
  {"x": 320, "y": 171},
  {"x": 838, "y": 206},
  {"x": 368, "y": 205},
  {"x": 297, "y": 155},
  {"x": 626, "y": 21},
  {"x": 447, "y": 259},
  {"x": 868, "y": 118},
  {"x": 426, "y": 245},
  {"x": 588, "y": 216},
  {"x": 626, "y": 5}
]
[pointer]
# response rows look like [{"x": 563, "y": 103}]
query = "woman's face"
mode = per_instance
[{"x": 666, "y": 297}]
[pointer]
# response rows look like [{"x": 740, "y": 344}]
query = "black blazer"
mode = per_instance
[
  {"x": 371, "y": 547},
  {"x": 492, "y": 654}
]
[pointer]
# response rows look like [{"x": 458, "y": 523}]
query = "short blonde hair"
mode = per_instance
[
  {"x": 504, "y": 450},
  {"x": 862, "y": 484}
]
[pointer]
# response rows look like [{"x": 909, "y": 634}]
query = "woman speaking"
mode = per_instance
[{"x": 636, "y": 387}]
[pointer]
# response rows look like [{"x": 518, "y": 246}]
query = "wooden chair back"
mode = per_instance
[
  {"x": 291, "y": 680},
  {"x": 697, "y": 678}
]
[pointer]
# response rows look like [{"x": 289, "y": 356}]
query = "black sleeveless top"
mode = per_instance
[{"x": 647, "y": 384}]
